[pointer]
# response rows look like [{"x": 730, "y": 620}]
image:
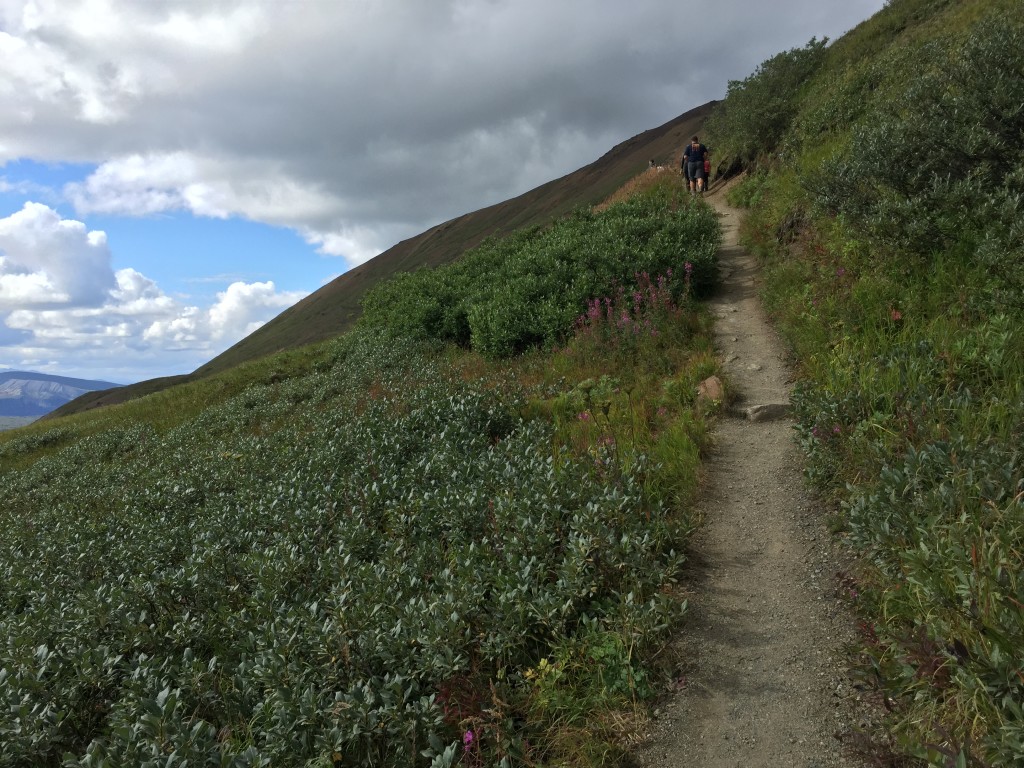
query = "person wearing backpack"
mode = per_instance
[{"x": 693, "y": 159}]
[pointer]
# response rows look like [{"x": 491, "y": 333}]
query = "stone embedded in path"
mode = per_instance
[{"x": 767, "y": 411}]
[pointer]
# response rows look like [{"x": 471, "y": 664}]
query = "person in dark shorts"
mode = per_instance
[{"x": 693, "y": 160}]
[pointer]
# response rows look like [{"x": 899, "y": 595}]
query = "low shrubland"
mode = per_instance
[
  {"x": 889, "y": 224},
  {"x": 387, "y": 549}
]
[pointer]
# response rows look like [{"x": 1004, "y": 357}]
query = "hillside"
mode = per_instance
[
  {"x": 885, "y": 195},
  {"x": 381, "y": 549},
  {"x": 463, "y": 533},
  {"x": 28, "y": 394},
  {"x": 335, "y": 307}
]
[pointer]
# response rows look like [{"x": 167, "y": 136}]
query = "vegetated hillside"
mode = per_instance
[
  {"x": 380, "y": 549},
  {"x": 335, "y": 307},
  {"x": 25, "y": 393},
  {"x": 886, "y": 193}
]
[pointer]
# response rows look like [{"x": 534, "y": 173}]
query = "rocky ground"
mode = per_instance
[{"x": 762, "y": 677}]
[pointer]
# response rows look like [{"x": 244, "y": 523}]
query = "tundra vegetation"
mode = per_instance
[
  {"x": 889, "y": 212},
  {"x": 449, "y": 537}
]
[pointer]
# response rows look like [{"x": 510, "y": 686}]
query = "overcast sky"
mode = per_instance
[{"x": 174, "y": 173}]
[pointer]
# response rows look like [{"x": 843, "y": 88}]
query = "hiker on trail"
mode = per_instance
[
  {"x": 693, "y": 162},
  {"x": 707, "y": 171}
]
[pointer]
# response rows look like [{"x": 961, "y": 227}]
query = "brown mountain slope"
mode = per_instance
[{"x": 334, "y": 308}]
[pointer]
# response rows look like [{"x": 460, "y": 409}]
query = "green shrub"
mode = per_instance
[
  {"x": 757, "y": 112},
  {"x": 506, "y": 296},
  {"x": 893, "y": 240},
  {"x": 938, "y": 163}
]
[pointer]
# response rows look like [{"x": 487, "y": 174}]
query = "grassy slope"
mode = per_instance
[
  {"x": 888, "y": 215},
  {"x": 334, "y": 308}
]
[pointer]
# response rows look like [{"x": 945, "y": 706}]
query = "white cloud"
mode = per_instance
[
  {"x": 244, "y": 307},
  {"x": 60, "y": 300},
  {"x": 96, "y": 61},
  {"x": 138, "y": 185},
  {"x": 49, "y": 261},
  {"x": 238, "y": 311}
]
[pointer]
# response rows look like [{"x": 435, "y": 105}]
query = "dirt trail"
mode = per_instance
[{"x": 763, "y": 678}]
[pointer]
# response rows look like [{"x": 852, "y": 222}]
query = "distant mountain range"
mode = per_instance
[{"x": 27, "y": 394}]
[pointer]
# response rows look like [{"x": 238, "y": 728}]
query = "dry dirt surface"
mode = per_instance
[{"x": 762, "y": 677}]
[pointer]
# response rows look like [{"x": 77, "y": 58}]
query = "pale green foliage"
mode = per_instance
[{"x": 336, "y": 566}]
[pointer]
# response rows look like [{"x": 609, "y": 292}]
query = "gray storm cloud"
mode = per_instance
[{"x": 360, "y": 123}]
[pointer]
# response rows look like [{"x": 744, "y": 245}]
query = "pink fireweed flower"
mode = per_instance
[
  {"x": 584, "y": 416},
  {"x": 895, "y": 315},
  {"x": 467, "y": 740}
]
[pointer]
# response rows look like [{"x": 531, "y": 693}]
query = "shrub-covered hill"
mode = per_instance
[
  {"x": 333, "y": 309},
  {"x": 885, "y": 181},
  {"x": 384, "y": 549}
]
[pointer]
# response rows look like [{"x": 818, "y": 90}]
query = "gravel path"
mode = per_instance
[{"x": 762, "y": 673}]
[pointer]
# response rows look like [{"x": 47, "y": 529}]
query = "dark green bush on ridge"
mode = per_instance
[
  {"x": 757, "y": 111},
  {"x": 507, "y": 295}
]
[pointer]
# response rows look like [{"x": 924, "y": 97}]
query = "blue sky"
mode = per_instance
[
  {"x": 173, "y": 174},
  {"x": 190, "y": 257}
]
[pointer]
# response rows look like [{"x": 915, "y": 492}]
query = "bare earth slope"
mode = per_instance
[{"x": 762, "y": 673}]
